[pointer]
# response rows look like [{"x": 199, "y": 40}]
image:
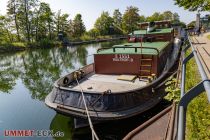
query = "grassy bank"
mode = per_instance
[
  {"x": 198, "y": 112},
  {"x": 19, "y": 46},
  {"x": 46, "y": 43}
]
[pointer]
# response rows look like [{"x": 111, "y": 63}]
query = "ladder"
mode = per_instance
[{"x": 146, "y": 66}]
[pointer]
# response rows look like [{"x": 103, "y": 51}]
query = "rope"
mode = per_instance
[{"x": 94, "y": 135}]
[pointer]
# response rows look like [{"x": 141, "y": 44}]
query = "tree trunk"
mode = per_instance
[
  {"x": 27, "y": 21},
  {"x": 17, "y": 28},
  {"x": 16, "y": 23},
  {"x": 49, "y": 28}
]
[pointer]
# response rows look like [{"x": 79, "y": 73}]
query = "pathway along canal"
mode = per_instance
[{"x": 27, "y": 77}]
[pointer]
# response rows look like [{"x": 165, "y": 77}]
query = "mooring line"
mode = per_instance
[{"x": 94, "y": 135}]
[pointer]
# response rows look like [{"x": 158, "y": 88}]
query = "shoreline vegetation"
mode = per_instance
[
  {"x": 20, "y": 46},
  {"x": 198, "y": 112},
  {"x": 33, "y": 24}
]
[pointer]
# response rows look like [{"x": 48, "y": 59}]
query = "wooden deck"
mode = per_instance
[
  {"x": 159, "y": 127},
  {"x": 202, "y": 44},
  {"x": 102, "y": 83}
]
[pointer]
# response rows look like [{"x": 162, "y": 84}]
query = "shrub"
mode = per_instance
[
  {"x": 46, "y": 43},
  {"x": 18, "y": 44},
  {"x": 86, "y": 37},
  {"x": 172, "y": 90}
]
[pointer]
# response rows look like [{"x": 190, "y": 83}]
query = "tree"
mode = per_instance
[
  {"x": 103, "y": 23},
  {"x": 43, "y": 21},
  {"x": 78, "y": 26},
  {"x": 117, "y": 21},
  {"x": 155, "y": 17},
  {"x": 12, "y": 11},
  {"x": 117, "y": 18},
  {"x": 167, "y": 15},
  {"x": 176, "y": 17},
  {"x": 5, "y": 29},
  {"x": 61, "y": 22},
  {"x": 191, "y": 24},
  {"x": 142, "y": 18},
  {"x": 194, "y": 5},
  {"x": 93, "y": 32},
  {"x": 130, "y": 19},
  {"x": 25, "y": 16}
]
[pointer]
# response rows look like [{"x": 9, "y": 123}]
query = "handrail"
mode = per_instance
[
  {"x": 128, "y": 46},
  {"x": 204, "y": 85}
]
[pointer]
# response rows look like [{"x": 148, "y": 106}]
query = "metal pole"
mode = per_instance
[
  {"x": 195, "y": 91},
  {"x": 202, "y": 72},
  {"x": 181, "y": 128},
  {"x": 182, "y": 111}
]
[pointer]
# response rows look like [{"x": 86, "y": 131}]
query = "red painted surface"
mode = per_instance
[
  {"x": 112, "y": 64},
  {"x": 108, "y": 64}
]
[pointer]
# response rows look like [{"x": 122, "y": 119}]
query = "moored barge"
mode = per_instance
[{"x": 124, "y": 80}]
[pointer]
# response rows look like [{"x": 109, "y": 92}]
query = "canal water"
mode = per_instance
[{"x": 27, "y": 77}]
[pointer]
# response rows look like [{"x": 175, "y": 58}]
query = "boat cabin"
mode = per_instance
[{"x": 145, "y": 53}]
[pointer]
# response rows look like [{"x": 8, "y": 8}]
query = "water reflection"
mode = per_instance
[
  {"x": 9, "y": 72},
  {"x": 63, "y": 124},
  {"x": 39, "y": 72},
  {"x": 29, "y": 76},
  {"x": 38, "y": 69},
  {"x": 82, "y": 55}
]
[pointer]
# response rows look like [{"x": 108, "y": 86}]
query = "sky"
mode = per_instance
[{"x": 92, "y": 9}]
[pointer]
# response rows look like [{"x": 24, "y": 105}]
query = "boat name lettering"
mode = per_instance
[{"x": 122, "y": 57}]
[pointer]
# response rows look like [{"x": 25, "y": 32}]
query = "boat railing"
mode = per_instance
[
  {"x": 186, "y": 98},
  {"x": 129, "y": 46}
]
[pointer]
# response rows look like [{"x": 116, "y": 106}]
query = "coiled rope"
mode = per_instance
[{"x": 94, "y": 135}]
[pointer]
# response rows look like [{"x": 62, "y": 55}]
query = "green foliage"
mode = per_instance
[
  {"x": 78, "y": 26},
  {"x": 198, "y": 111},
  {"x": 86, "y": 37},
  {"x": 167, "y": 15},
  {"x": 63, "y": 124},
  {"x": 142, "y": 18},
  {"x": 172, "y": 90},
  {"x": 61, "y": 22},
  {"x": 117, "y": 22},
  {"x": 19, "y": 44},
  {"x": 103, "y": 23},
  {"x": 155, "y": 17},
  {"x": 46, "y": 43},
  {"x": 182, "y": 24},
  {"x": 130, "y": 19},
  {"x": 12, "y": 12},
  {"x": 8, "y": 75},
  {"x": 43, "y": 22},
  {"x": 35, "y": 24},
  {"x": 5, "y": 29},
  {"x": 194, "y": 5},
  {"x": 93, "y": 32},
  {"x": 191, "y": 24}
]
